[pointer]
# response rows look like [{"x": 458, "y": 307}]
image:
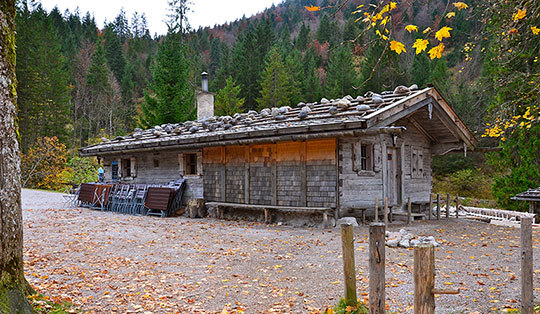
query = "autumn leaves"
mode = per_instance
[{"x": 377, "y": 17}]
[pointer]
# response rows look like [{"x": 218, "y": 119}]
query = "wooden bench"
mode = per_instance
[{"x": 267, "y": 218}]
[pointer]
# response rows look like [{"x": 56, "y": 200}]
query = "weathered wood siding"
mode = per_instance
[
  {"x": 156, "y": 168},
  {"x": 295, "y": 173},
  {"x": 359, "y": 189}
]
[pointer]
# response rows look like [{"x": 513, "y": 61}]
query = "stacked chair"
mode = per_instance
[{"x": 133, "y": 199}]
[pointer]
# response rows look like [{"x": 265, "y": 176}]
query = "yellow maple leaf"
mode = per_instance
[
  {"x": 450, "y": 15},
  {"x": 436, "y": 52},
  {"x": 520, "y": 14},
  {"x": 426, "y": 30},
  {"x": 443, "y": 33},
  {"x": 312, "y": 8},
  {"x": 460, "y": 5},
  {"x": 393, "y": 5},
  {"x": 535, "y": 30},
  {"x": 397, "y": 47},
  {"x": 420, "y": 45},
  {"x": 410, "y": 28},
  {"x": 386, "y": 19}
]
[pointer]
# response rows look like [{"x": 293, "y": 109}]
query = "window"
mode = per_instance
[
  {"x": 156, "y": 163},
  {"x": 363, "y": 157},
  {"x": 190, "y": 167},
  {"x": 417, "y": 162},
  {"x": 366, "y": 163},
  {"x": 126, "y": 168},
  {"x": 114, "y": 170}
]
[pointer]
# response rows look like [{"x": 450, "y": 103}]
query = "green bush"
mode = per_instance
[
  {"x": 80, "y": 170},
  {"x": 343, "y": 308},
  {"x": 466, "y": 183}
]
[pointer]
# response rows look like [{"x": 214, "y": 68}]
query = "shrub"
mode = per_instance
[
  {"x": 42, "y": 166},
  {"x": 80, "y": 170},
  {"x": 467, "y": 183},
  {"x": 343, "y": 308}
]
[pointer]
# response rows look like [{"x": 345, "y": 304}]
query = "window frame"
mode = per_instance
[{"x": 191, "y": 164}]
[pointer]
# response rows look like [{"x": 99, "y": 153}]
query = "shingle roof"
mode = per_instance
[
  {"x": 529, "y": 195},
  {"x": 326, "y": 115}
]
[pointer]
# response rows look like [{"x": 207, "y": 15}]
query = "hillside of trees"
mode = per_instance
[{"x": 79, "y": 81}]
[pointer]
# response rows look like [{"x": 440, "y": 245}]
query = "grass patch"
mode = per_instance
[
  {"x": 343, "y": 308},
  {"x": 45, "y": 305}
]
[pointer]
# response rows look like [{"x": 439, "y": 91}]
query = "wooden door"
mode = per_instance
[{"x": 393, "y": 175}]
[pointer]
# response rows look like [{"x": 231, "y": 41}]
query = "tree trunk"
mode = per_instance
[{"x": 13, "y": 285}]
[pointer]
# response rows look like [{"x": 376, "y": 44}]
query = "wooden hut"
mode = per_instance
[
  {"x": 333, "y": 156},
  {"x": 533, "y": 197}
]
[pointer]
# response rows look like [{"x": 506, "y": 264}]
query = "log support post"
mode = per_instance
[
  {"x": 347, "y": 246},
  {"x": 457, "y": 207},
  {"x": 527, "y": 298},
  {"x": 438, "y": 206},
  {"x": 409, "y": 211},
  {"x": 386, "y": 210},
  {"x": 376, "y": 209},
  {"x": 447, "y": 205},
  {"x": 266, "y": 216},
  {"x": 430, "y": 212},
  {"x": 325, "y": 220},
  {"x": 377, "y": 297}
]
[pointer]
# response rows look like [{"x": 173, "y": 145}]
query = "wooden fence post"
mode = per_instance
[
  {"x": 424, "y": 279},
  {"x": 377, "y": 244},
  {"x": 347, "y": 246},
  {"x": 438, "y": 206},
  {"x": 409, "y": 211},
  {"x": 430, "y": 214},
  {"x": 376, "y": 209},
  {"x": 386, "y": 210},
  {"x": 526, "y": 266},
  {"x": 447, "y": 205},
  {"x": 457, "y": 207}
]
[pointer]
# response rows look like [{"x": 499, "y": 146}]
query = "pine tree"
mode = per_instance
[
  {"x": 228, "y": 100},
  {"x": 113, "y": 52},
  {"x": 247, "y": 67},
  {"x": 275, "y": 82},
  {"x": 341, "y": 75},
  {"x": 293, "y": 64},
  {"x": 421, "y": 70},
  {"x": 311, "y": 85},
  {"x": 303, "y": 37},
  {"x": 43, "y": 93},
  {"x": 170, "y": 99}
]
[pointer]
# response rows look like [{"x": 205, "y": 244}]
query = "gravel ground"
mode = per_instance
[{"x": 111, "y": 263}]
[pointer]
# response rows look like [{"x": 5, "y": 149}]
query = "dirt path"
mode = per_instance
[{"x": 110, "y": 263}]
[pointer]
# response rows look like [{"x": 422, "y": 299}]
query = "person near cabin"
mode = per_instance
[{"x": 101, "y": 174}]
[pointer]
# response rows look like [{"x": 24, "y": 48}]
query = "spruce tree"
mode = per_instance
[
  {"x": 170, "y": 99},
  {"x": 311, "y": 84},
  {"x": 303, "y": 37},
  {"x": 341, "y": 75},
  {"x": 228, "y": 100},
  {"x": 275, "y": 82},
  {"x": 113, "y": 52}
]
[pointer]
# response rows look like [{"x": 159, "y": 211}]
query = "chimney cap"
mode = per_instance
[{"x": 204, "y": 74}]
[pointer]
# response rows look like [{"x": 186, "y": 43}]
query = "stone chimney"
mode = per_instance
[{"x": 205, "y": 100}]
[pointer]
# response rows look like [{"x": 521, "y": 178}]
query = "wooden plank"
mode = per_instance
[
  {"x": 347, "y": 247},
  {"x": 424, "y": 279},
  {"x": 377, "y": 296},
  {"x": 322, "y": 149},
  {"x": 384, "y": 165},
  {"x": 274, "y": 175},
  {"x": 276, "y": 207},
  {"x": 376, "y": 209},
  {"x": 422, "y": 130},
  {"x": 527, "y": 297},
  {"x": 390, "y": 117},
  {"x": 246, "y": 175},
  {"x": 386, "y": 210},
  {"x": 438, "y": 206},
  {"x": 303, "y": 174},
  {"x": 430, "y": 210}
]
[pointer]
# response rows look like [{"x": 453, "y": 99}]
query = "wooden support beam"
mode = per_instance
[
  {"x": 347, "y": 247},
  {"x": 303, "y": 174},
  {"x": 376, "y": 209},
  {"x": 457, "y": 207},
  {"x": 430, "y": 211},
  {"x": 386, "y": 210},
  {"x": 266, "y": 216},
  {"x": 409, "y": 211},
  {"x": 527, "y": 297},
  {"x": 377, "y": 296},
  {"x": 325, "y": 220},
  {"x": 422, "y": 130},
  {"x": 438, "y": 206},
  {"x": 447, "y": 205}
]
